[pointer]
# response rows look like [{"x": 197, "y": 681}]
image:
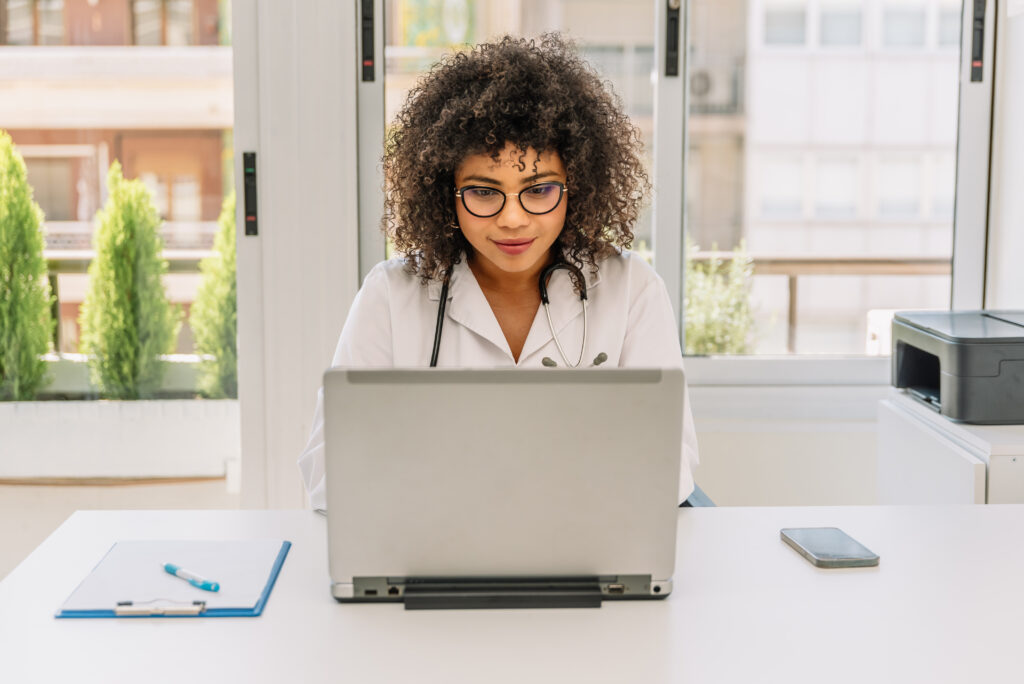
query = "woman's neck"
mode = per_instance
[{"x": 495, "y": 280}]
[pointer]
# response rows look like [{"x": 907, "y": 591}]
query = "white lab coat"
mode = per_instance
[{"x": 392, "y": 320}]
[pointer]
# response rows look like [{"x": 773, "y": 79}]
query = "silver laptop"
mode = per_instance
[{"x": 502, "y": 488}]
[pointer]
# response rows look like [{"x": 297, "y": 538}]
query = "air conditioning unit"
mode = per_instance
[{"x": 715, "y": 90}]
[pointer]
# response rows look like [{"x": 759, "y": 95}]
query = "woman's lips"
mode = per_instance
[{"x": 514, "y": 247}]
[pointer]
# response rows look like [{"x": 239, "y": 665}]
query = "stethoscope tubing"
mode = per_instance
[{"x": 542, "y": 287}]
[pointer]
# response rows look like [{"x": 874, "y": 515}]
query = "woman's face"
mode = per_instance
[{"x": 513, "y": 241}]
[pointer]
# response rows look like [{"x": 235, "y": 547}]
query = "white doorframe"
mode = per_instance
[
  {"x": 973, "y": 154},
  {"x": 670, "y": 143},
  {"x": 295, "y": 106}
]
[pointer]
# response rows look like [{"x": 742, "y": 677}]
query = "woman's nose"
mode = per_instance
[{"x": 512, "y": 215}]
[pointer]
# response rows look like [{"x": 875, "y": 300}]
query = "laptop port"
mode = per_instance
[
  {"x": 369, "y": 592},
  {"x": 392, "y": 591},
  {"x": 616, "y": 588}
]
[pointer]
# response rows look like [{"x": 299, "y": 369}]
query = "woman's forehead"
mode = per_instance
[{"x": 511, "y": 160}]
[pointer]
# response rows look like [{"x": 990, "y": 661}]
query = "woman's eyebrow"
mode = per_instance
[{"x": 494, "y": 181}]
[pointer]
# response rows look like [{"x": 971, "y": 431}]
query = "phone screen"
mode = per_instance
[{"x": 829, "y": 547}]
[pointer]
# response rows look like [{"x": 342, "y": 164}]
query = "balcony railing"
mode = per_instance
[
  {"x": 794, "y": 267},
  {"x": 187, "y": 261}
]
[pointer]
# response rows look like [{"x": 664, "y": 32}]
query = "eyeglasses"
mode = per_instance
[{"x": 484, "y": 202}]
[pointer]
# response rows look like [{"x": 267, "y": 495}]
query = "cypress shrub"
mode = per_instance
[
  {"x": 214, "y": 315},
  {"x": 127, "y": 322},
  {"x": 26, "y": 326}
]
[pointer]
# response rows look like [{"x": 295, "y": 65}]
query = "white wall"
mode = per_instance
[{"x": 787, "y": 446}]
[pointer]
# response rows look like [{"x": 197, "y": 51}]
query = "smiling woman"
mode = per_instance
[{"x": 514, "y": 179}]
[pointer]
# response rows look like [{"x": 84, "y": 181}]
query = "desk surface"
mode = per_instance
[{"x": 944, "y": 605}]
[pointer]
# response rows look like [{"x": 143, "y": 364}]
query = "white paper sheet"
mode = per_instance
[{"x": 133, "y": 571}]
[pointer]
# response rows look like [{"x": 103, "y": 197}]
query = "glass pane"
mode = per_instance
[
  {"x": 159, "y": 193},
  {"x": 187, "y": 203},
  {"x": 19, "y": 28},
  {"x": 899, "y": 189},
  {"x": 903, "y": 26},
  {"x": 618, "y": 41},
  {"x": 840, "y": 26},
  {"x": 147, "y": 16},
  {"x": 179, "y": 22},
  {"x": 785, "y": 25},
  {"x": 782, "y": 182},
  {"x": 126, "y": 111},
  {"x": 949, "y": 27},
  {"x": 837, "y": 189},
  {"x": 51, "y": 21},
  {"x": 54, "y": 187},
  {"x": 833, "y": 175}
]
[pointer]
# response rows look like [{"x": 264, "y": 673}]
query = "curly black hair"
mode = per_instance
[{"x": 534, "y": 94}]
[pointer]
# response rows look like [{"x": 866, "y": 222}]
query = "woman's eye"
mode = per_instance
[
  {"x": 540, "y": 190},
  {"x": 484, "y": 193}
]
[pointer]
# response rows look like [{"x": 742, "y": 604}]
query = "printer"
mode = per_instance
[{"x": 967, "y": 365}]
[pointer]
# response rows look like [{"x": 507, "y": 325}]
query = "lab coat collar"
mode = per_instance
[{"x": 468, "y": 306}]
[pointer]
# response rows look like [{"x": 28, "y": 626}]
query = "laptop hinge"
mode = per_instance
[{"x": 422, "y": 593}]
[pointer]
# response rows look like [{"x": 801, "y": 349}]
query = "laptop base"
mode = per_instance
[{"x": 427, "y": 593}]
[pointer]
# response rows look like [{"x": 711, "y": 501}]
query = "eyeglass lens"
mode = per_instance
[{"x": 536, "y": 199}]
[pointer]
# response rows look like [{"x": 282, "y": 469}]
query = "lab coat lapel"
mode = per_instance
[
  {"x": 468, "y": 307},
  {"x": 565, "y": 308}
]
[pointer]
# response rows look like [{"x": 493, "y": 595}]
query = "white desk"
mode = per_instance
[{"x": 945, "y": 605}]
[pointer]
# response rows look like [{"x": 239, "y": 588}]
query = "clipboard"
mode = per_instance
[{"x": 130, "y": 580}]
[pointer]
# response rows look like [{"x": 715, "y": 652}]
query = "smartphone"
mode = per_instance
[{"x": 829, "y": 547}]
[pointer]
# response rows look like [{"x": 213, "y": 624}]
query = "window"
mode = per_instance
[
  {"x": 782, "y": 188},
  {"x": 31, "y": 22},
  {"x": 903, "y": 26},
  {"x": 163, "y": 22},
  {"x": 949, "y": 27},
  {"x": 943, "y": 185},
  {"x": 53, "y": 187},
  {"x": 840, "y": 26},
  {"x": 172, "y": 134},
  {"x": 839, "y": 163},
  {"x": 50, "y": 22},
  {"x": 837, "y": 189},
  {"x": 899, "y": 189},
  {"x": 785, "y": 25}
]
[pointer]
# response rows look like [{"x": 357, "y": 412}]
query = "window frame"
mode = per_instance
[
  {"x": 970, "y": 228},
  {"x": 301, "y": 256}
]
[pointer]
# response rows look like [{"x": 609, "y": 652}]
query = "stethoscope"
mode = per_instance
[{"x": 542, "y": 286}]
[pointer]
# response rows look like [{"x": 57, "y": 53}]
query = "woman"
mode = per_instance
[{"x": 505, "y": 160}]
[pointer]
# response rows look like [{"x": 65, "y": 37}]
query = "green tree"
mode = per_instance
[
  {"x": 127, "y": 322},
  {"x": 26, "y": 326},
  {"x": 719, "y": 319},
  {"x": 214, "y": 315}
]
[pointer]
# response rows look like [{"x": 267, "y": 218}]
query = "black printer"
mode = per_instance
[{"x": 967, "y": 365}]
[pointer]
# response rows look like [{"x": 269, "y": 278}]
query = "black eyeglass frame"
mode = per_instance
[{"x": 562, "y": 192}]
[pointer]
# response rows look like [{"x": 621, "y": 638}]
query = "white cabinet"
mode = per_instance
[{"x": 925, "y": 458}]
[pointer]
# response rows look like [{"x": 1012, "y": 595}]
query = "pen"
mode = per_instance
[{"x": 192, "y": 578}]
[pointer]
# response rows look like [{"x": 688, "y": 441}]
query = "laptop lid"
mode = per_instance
[{"x": 502, "y": 473}]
